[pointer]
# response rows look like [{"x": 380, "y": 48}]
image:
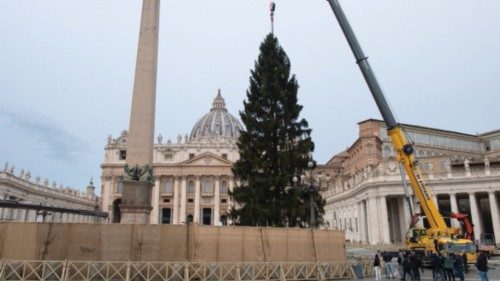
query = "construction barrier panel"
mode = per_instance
[{"x": 168, "y": 243}]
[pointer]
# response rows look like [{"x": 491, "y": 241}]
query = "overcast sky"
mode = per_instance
[{"x": 66, "y": 70}]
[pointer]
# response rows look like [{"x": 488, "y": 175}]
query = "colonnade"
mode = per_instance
[
  {"x": 184, "y": 204},
  {"x": 32, "y": 215},
  {"x": 385, "y": 219}
]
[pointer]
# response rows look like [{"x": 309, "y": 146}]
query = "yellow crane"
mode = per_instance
[{"x": 438, "y": 237}]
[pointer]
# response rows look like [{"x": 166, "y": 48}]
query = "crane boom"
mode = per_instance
[{"x": 403, "y": 148}]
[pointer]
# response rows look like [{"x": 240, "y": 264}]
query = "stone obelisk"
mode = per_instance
[{"x": 138, "y": 180}]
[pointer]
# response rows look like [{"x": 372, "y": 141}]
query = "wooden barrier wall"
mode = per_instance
[{"x": 168, "y": 243}]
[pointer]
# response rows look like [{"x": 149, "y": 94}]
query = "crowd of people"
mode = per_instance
[{"x": 445, "y": 267}]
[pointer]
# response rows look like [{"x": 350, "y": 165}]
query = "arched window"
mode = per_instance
[
  {"x": 207, "y": 186},
  {"x": 223, "y": 187},
  {"x": 167, "y": 186},
  {"x": 190, "y": 187},
  {"x": 189, "y": 218}
]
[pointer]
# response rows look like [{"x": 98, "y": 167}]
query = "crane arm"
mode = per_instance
[
  {"x": 463, "y": 218},
  {"x": 403, "y": 149}
]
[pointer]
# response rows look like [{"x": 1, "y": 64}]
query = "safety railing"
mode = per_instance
[{"x": 180, "y": 271}]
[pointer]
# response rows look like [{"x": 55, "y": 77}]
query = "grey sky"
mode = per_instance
[{"x": 67, "y": 70}]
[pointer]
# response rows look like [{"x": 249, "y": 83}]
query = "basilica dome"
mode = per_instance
[{"x": 216, "y": 124}]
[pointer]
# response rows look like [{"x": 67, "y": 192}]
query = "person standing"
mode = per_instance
[
  {"x": 407, "y": 267},
  {"x": 448, "y": 266},
  {"x": 400, "y": 264},
  {"x": 415, "y": 266},
  {"x": 376, "y": 266},
  {"x": 482, "y": 266},
  {"x": 458, "y": 267},
  {"x": 389, "y": 271},
  {"x": 436, "y": 267},
  {"x": 466, "y": 265},
  {"x": 441, "y": 264}
]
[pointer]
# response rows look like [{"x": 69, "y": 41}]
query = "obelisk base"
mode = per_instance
[{"x": 136, "y": 202}]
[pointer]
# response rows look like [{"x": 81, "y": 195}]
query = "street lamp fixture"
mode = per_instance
[{"x": 312, "y": 184}]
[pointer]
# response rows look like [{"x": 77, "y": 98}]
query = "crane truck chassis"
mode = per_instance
[{"x": 439, "y": 237}]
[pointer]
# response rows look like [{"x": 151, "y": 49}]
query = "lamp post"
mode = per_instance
[{"x": 312, "y": 184}]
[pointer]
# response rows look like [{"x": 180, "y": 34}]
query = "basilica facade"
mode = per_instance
[
  {"x": 367, "y": 198},
  {"x": 192, "y": 174}
]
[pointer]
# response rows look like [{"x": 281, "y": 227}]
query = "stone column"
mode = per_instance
[
  {"x": 406, "y": 219},
  {"x": 373, "y": 223},
  {"x": 196, "y": 216},
  {"x": 21, "y": 214},
  {"x": 454, "y": 209},
  {"x": 107, "y": 193},
  {"x": 417, "y": 210},
  {"x": 495, "y": 215},
  {"x": 14, "y": 214},
  {"x": 361, "y": 221},
  {"x": 155, "y": 202},
  {"x": 230, "y": 186},
  {"x": 176, "y": 201},
  {"x": 384, "y": 225},
  {"x": 183, "y": 190},
  {"x": 217, "y": 201},
  {"x": 475, "y": 216}
]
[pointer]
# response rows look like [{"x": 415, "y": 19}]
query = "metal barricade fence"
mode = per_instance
[{"x": 66, "y": 270}]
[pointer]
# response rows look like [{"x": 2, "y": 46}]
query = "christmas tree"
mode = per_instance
[{"x": 274, "y": 148}]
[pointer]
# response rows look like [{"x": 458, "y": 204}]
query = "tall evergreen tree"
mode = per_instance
[{"x": 274, "y": 148}]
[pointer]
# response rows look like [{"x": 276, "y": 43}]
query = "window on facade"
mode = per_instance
[
  {"x": 487, "y": 146},
  {"x": 122, "y": 155},
  {"x": 224, "y": 156},
  {"x": 166, "y": 200},
  {"x": 167, "y": 186},
  {"x": 207, "y": 186},
  {"x": 190, "y": 200},
  {"x": 189, "y": 218},
  {"x": 206, "y": 218},
  {"x": 190, "y": 187},
  {"x": 119, "y": 187},
  {"x": 191, "y": 155},
  {"x": 223, "y": 200},
  {"x": 223, "y": 187},
  {"x": 169, "y": 156},
  {"x": 165, "y": 215}
]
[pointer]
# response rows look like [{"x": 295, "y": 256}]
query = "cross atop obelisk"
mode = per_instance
[{"x": 136, "y": 201}]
